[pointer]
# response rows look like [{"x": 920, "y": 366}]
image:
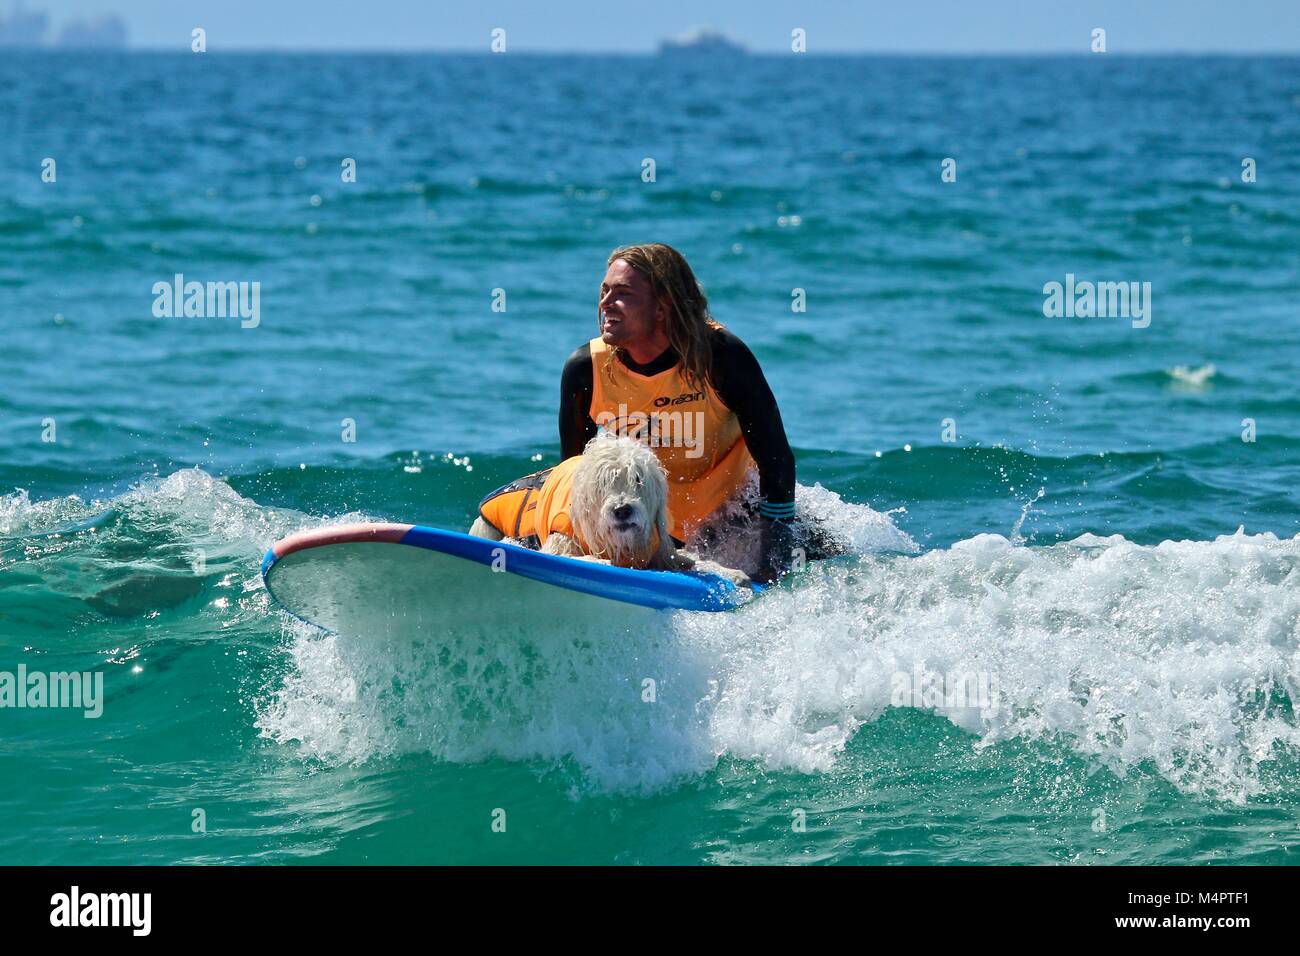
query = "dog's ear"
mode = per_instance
[
  {"x": 579, "y": 511},
  {"x": 655, "y": 492}
]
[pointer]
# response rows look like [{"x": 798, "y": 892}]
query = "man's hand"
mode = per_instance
[{"x": 777, "y": 552}]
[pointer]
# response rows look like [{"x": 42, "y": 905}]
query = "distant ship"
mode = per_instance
[
  {"x": 701, "y": 40},
  {"x": 30, "y": 28}
]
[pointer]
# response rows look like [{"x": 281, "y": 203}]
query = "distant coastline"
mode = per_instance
[{"x": 30, "y": 29}]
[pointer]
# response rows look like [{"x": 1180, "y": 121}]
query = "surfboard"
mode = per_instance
[{"x": 383, "y": 579}]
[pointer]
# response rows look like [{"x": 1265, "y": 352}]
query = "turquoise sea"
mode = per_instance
[{"x": 1096, "y": 520}]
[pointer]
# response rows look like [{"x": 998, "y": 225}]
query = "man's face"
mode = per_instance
[{"x": 629, "y": 313}]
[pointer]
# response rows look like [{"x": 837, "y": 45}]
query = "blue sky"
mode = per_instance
[{"x": 941, "y": 26}]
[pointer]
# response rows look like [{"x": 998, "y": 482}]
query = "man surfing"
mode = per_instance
[{"x": 664, "y": 371}]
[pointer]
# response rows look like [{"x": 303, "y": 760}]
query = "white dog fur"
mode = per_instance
[{"x": 620, "y": 501}]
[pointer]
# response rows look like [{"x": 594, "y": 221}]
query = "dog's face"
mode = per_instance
[{"x": 620, "y": 498}]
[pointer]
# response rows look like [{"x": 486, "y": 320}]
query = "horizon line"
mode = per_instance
[{"x": 656, "y": 53}]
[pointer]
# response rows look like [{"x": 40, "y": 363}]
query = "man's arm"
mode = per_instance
[
  {"x": 576, "y": 426},
  {"x": 743, "y": 388}
]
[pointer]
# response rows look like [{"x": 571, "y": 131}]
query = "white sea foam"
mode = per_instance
[
  {"x": 856, "y": 527},
  {"x": 1165, "y": 657},
  {"x": 1182, "y": 658},
  {"x": 1193, "y": 379},
  {"x": 1130, "y": 655}
]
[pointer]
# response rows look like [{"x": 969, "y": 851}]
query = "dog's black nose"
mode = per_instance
[{"x": 623, "y": 512}]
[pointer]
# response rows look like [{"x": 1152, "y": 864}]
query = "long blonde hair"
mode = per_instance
[{"x": 688, "y": 322}]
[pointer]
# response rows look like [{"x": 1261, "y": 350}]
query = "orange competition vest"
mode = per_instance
[
  {"x": 535, "y": 505},
  {"x": 696, "y": 437}
]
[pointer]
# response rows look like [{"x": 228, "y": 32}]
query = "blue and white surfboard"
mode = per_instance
[{"x": 362, "y": 577}]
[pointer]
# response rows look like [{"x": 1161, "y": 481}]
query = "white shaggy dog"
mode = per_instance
[{"x": 619, "y": 510}]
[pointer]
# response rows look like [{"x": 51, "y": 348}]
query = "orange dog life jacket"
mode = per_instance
[{"x": 533, "y": 506}]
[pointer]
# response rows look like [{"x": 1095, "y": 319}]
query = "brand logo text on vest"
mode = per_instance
[{"x": 658, "y": 429}]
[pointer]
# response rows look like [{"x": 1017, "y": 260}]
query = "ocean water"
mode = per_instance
[{"x": 1058, "y": 522}]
